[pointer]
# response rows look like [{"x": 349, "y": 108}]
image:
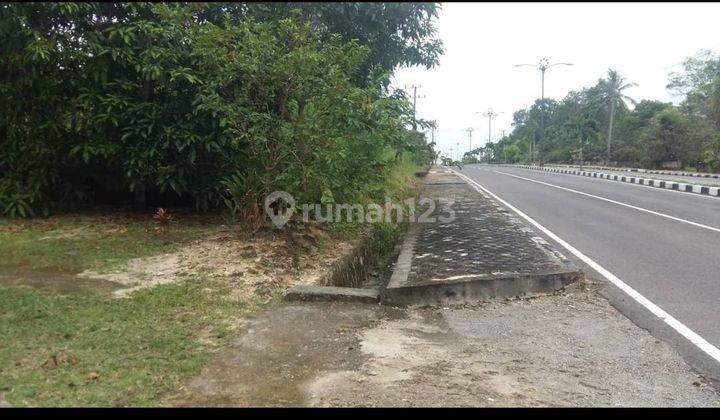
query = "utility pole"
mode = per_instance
[
  {"x": 532, "y": 149},
  {"x": 457, "y": 151},
  {"x": 543, "y": 65},
  {"x": 415, "y": 98},
  {"x": 470, "y": 131}
]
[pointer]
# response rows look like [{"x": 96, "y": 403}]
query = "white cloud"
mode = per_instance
[{"x": 644, "y": 41}]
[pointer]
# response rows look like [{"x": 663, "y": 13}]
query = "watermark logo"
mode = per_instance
[{"x": 279, "y": 206}]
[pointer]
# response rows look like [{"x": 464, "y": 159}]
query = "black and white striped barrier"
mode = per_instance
[
  {"x": 646, "y": 171},
  {"x": 658, "y": 183}
]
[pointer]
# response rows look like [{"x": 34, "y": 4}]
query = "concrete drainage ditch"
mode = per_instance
[{"x": 483, "y": 253}]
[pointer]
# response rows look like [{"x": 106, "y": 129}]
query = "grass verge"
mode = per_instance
[
  {"x": 98, "y": 351},
  {"x": 403, "y": 183},
  {"x": 72, "y": 243}
]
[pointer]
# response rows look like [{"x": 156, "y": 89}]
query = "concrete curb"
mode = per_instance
[
  {"x": 330, "y": 293},
  {"x": 404, "y": 262},
  {"x": 657, "y": 183},
  {"x": 491, "y": 287}
]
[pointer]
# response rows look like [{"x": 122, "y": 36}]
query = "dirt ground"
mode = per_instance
[
  {"x": 260, "y": 265},
  {"x": 253, "y": 266},
  {"x": 572, "y": 349}
]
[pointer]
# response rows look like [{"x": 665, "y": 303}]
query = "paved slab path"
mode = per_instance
[{"x": 466, "y": 246}]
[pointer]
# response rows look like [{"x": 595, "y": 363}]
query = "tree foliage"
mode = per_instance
[
  {"x": 398, "y": 34},
  {"x": 208, "y": 103},
  {"x": 652, "y": 134}
]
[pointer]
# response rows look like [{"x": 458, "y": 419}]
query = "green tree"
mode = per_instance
[
  {"x": 711, "y": 155},
  {"x": 714, "y": 100},
  {"x": 398, "y": 34},
  {"x": 511, "y": 153},
  {"x": 696, "y": 82},
  {"x": 648, "y": 135},
  {"x": 612, "y": 94},
  {"x": 699, "y": 83},
  {"x": 666, "y": 138},
  {"x": 630, "y": 148}
]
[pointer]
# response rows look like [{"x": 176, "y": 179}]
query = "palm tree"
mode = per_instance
[{"x": 613, "y": 88}]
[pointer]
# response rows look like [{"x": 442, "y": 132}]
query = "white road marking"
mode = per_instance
[
  {"x": 678, "y": 326},
  {"x": 700, "y": 225},
  {"x": 629, "y": 184}
]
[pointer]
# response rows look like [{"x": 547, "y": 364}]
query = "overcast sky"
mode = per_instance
[{"x": 643, "y": 41}]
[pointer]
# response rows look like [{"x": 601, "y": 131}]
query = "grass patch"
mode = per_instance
[
  {"x": 404, "y": 182},
  {"x": 401, "y": 184},
  {"x": 72, "y": 243},
  {"x": 95, "y": 351}
]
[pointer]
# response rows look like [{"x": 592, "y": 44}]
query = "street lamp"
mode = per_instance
[
  {"x": 490, "y": 113},
  {"x": 470, "y": 131},
  {"x": 543, "y": 65}
]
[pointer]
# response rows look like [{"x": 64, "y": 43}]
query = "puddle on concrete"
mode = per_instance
[{"x": 55, "y": 282}]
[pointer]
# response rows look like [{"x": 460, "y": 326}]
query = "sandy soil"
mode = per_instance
[
  {"x": 566, "y": 350},
  {"x": 260, "y": 265}
]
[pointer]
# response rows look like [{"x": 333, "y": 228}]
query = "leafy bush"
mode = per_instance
[{"x": 189, "y": 100}]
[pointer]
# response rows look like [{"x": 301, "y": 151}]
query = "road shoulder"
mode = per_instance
[{"x": 571, "y": 349}]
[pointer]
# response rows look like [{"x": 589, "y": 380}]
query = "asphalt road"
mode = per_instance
[{"x": 674, "y": 264}]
